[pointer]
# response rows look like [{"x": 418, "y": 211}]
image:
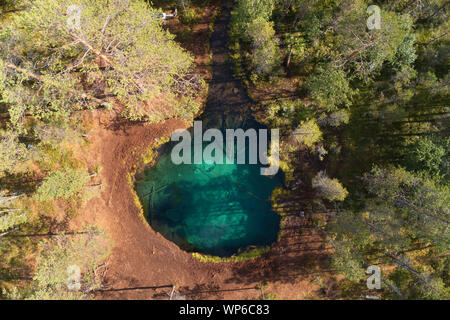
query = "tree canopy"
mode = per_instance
[{"x": 48, "y": 69}]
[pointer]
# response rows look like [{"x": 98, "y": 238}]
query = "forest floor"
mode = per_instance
[{"x": 145, "y": 265}]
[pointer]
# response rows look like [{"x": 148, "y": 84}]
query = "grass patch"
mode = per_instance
[
  {"x": 51, "y": 159},
  {"x": 191, "y": 16},
  {"x": 244, "y": 256},
  {"x": 184, "y": 35},
  {"x": 149, "y": 156}
]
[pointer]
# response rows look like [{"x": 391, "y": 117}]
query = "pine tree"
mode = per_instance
[
  {"x": 330, "y": 88},
  {"x": 62, "y": 184}
]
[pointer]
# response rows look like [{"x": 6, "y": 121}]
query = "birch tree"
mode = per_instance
[
  {"x": 11, "y": 215},
  {"x": 61, "y": 56}
]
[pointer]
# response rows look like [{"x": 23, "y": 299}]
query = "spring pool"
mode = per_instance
[{"x": 216, "y": 209}]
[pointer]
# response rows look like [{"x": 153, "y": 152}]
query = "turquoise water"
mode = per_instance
[{"x": 216, "y": 209}]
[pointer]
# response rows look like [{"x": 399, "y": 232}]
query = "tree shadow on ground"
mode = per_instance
[
  {"x": 301, "y": 251},
  {"x": 210, "y": 291}
]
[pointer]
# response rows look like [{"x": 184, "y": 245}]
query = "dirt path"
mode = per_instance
[
  {"x": 228, "y": 104},
  {"x": 143, "y": 264},
  {"x": 226, "y": 92}
]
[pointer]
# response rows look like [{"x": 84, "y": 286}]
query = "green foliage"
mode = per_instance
[
  {"x": 297, "y": 46},
  {"x": 405, "y": 199},
  {"x": 52, "y": 158},
  {"x": 348, "y": 261},
  {"x": 118, "y": 50},
  {"x": 57, "y": 134},
  {"x": 285, "y": 113},
  {"x": 62, "y": 184},
  {"x": 251, "y": 25},
  {"x": 429, "y": 155},
  {"x": 184, "y": 35},
  {"x": 410, "y": 289},
  {"x": 249, "y": 10},
  {"x": 11, "y": 214},
  {"x": 335, "y": 119},
  {"x": 9, "y": 6},
  {"x": 265, "y": 54},
  {"x": 59, "y": 260},
  {"x": 330, "y": 189},
  {"x": 190, "y": 16},
  {"x": 308, "y": 133},
  {"x": 329, "y": 88},
  {"x": 404, "y": 223},
  {"x": 243, "y": 256},
  {"x": 389, "y": 87},
  {"x": 10, "y": 218},
  {"x": 12, "y": 152},
  {"x": 406, "y": 53}
]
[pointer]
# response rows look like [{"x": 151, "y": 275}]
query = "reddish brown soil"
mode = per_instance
[
  {"x": 142, "y": 260},
  {"x": 144, "y": 265}
]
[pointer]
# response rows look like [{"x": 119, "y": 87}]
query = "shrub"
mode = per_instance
[
  {"x": 330, "y": 189},
  {"x": 62, "y": 184},
  {"x": 308, "y": 133}
]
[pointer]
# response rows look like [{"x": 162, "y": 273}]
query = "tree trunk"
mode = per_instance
[
  {"x": 7, "y": 232},
  {"x": 10, "y": 198},
  {"x": 39, "y": 78}
]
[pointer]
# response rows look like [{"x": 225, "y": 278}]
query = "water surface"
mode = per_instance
[{"x": 210, "y": 208}]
